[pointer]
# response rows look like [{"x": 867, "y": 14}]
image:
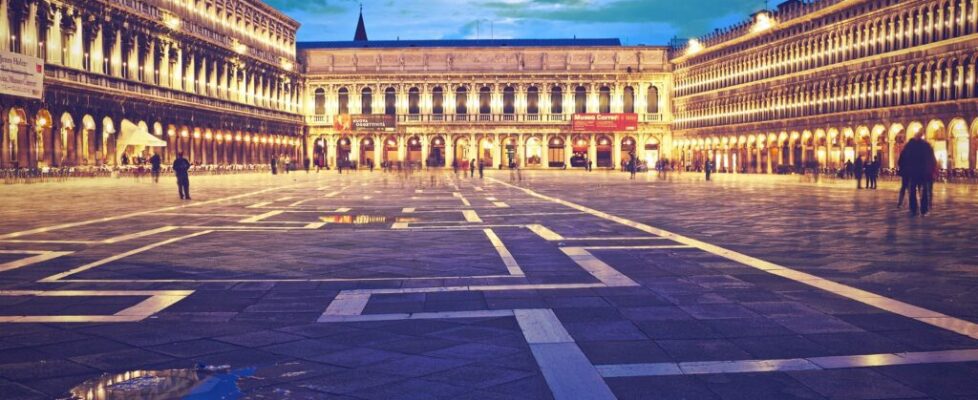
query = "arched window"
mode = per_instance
[
  {"x": 366, "y": 101},
  {"x": 509, "y": 100},
  {"x": 556, "y": 100},
  {"x": 628, "y": 100},
  {"x": 344, "y": 101},
  {"x": 652, "y": 107},
  {"x": 532, "y": 100},
  {"x": 461, "y": 100},
  {"x": 320, "y": 101},
  {"x": 390, "y": 101},
  {"x": 580, "y": 100},
  {"x": 414, "y": 101},
  {"x": 485, "y": 100},
  {"x": 437, "y": 100},
  {"x": 604, "y": 100}
]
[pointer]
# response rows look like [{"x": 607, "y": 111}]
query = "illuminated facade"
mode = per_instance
[
  {"x": 215, "y": 79},
  {"x": 830, "y": 80},
  {"x": 224, "y": 81},
  {"x": 496, "y": 101}
]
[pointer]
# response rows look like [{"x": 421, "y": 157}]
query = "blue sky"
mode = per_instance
[{"x": 651, "y": 22}]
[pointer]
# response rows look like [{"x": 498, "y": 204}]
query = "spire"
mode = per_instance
[{"x": 361, "y": 34}]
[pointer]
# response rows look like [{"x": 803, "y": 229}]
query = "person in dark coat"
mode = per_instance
[
  {"x": 155, "y": 163},
  {"x": 274, "y": 164},
  {"x": 917, "y": 162},
  {"x": 181, "y": 167},
  {"x": 858, "y": 169},
  {"x": 708, "y": 168},
  {"x": 632, "y": 165},
  {"x": 482, "y": 165},
  {"x": 872, "y": 173},
  {"x": 472, "y": 168}
]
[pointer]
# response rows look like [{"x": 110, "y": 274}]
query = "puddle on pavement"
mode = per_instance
[
  {"x": 205, "y": 382},
  {"x": 363, "y": 219}
]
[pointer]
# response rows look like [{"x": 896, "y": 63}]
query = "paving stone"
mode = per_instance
[{"x": 690, "y": 304}]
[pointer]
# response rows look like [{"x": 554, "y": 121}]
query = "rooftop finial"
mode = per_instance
[{"x": 361, "y": 33}]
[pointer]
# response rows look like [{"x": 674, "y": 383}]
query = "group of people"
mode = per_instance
[
  {"x": 868, "y": 169},
  {"x": 918, "y": 169}
]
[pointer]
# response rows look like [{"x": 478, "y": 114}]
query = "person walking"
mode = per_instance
[
  {"x": 274, "y": 165},
  {"x": 917, "y": 161},
  {"x": 858, "y": 169},
  {"x": 849, "y": 167},
  {"x": 708, "y": 167},
  {"x": 472, "y": 168},
  {"x": 482, "y": 165},
  {"x": 455, "y": 167},
  {"x": 872, "y": 173},
  {"x": 631, "y": 165},
  {"x": 181, "y": 168},
  {"x": 155, "y": 162}
]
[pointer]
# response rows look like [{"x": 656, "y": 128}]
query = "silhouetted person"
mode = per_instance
[
  {"x": 125, "y": 159},
  {"x": 274, "y": 164},
  {"x": 872, "y": 173},
  {"x": 305, "y": 164},
  {"x": 858, "y": 169},
  {"x": 708, "y": 168},
  {"x": 482, "y": 165},
  {"x": 181, "y": 168},
  {"x": 632, "y": 165},
  {"x": 472, "y": 168},
  {"x": 155, "y": 162},
  {"x": 917, "y": 161},
  {"x": 848, "y": 169},
  {"x": 455, "y": 167}
]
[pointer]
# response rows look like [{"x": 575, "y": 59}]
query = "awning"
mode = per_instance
[{"x": 132, "y": 135}]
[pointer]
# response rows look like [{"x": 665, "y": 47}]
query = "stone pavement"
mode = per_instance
[{"x": 563, "y": 285}]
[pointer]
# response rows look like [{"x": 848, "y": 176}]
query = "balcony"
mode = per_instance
[
  {"x": 530, "y": 119},
  {"x": 125, "y": 87}
]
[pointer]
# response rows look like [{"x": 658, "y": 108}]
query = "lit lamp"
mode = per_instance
[
  {"x": 762, "y": 22},
  {"x": 694, "y": 47}
]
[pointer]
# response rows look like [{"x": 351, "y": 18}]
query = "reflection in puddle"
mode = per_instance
[
  {"x": 363, "y": 219},
  {"x": 208, "y": 382}
]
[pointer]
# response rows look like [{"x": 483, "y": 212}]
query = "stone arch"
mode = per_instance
[
  {"x": 86, "y": 140},
  {"x": 959, "y": 144}
]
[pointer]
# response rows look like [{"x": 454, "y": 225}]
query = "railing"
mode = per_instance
[
  {"x": 55, "y": 174},
  {"x": 479, "y": 118},
  {"x": 163, "y": 94}
]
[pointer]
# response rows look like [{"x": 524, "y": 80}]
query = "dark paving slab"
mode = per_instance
[{"x": 690, "y": 305}]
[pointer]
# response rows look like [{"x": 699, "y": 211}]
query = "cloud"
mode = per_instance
[
  {"x": 633, "y": 21},
  {"x": 688, "y": 16},
  {"x": 308, "y": 6}
]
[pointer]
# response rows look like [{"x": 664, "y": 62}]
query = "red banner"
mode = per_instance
[{"x": 604, "y": 122}]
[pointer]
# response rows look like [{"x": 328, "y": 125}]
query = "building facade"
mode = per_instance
[
  {"x": 811, "y": 83},
  {"x": 498, "y": 102},
  {"x": 215, "y": 79},
  {"x": 830, "y": 80}
]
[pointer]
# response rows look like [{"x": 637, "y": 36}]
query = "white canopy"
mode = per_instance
[{"x": 132, "y": 135}]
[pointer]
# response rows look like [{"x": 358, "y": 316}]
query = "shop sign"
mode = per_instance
[
  {"x": 364, "y": 122},
  {"x": 604, "y": 122},
  {"x": 21, "y": 75}
]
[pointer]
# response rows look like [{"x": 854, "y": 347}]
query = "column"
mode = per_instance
[{"x": 592, "y": 150}]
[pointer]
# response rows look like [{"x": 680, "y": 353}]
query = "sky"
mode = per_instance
[{"x": 635, "y": 22}]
